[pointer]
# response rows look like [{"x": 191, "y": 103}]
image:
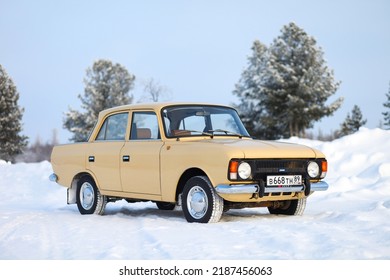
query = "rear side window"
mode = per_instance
[{"x": 113, "y": 128}]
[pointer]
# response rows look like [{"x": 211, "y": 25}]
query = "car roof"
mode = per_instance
[{"x": 153, "y": 106}]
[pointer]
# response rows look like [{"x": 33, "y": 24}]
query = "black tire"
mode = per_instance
[
  {"x": 294, "y": 207},
  {"x": 165, "y": 205},
  {"x": 89, "y": 200},
  {"x": 200, "y": 202}
]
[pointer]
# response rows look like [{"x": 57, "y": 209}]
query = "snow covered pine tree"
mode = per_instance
[
  {"x": 106, "y": 85},
  {"x": 11, "y": 140},
  {"x": 352, "y": 122},
  {"x": 293, "y": 85},
  {"x": 386, "y": 113},
  {"x": 249, "y": 92}
]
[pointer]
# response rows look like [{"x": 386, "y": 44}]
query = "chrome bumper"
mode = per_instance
[
  {"x": 254, "y": 188},
  {"x": 319, "y": 186},
  {"x": 237, "y": 189}
]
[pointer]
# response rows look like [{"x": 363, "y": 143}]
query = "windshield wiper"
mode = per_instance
[
  {"x": 202, "y": 132},
  {"x": 195, "y": 131},
  {"x": 227, "y": 132}
]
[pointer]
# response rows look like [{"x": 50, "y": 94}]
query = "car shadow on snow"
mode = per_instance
[
  {"x": 150, "y": 210},
  {"x": 141, "y": 209},
  {"x": 248, "y": 214}
]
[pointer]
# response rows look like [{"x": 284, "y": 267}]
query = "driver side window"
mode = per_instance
[{"x": 144, "y": 126}]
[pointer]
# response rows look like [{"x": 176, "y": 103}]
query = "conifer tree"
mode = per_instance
[
  {"x": 11, "y": 140},
  {"x": 106, "y": 85},
  {"x": 352, "y": 122},
  {"x": 386, "y": 113},
  {"x": 298, "y": 82},
  {"x": 249, "y": 91},
  {"x": 292, "y": 86}
]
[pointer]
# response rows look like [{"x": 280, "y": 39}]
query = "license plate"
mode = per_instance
[{"x": 285, "y": 180}]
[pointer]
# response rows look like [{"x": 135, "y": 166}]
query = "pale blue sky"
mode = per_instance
[{"x": 197, "y": 49}]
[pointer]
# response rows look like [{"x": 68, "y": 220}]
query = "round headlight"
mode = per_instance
[
  {"x": 244, "y": 170},
  {"x": 313, "y": 169}
]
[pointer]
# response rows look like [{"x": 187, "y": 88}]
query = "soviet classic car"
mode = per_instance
[{"x": 197, "y": 156}]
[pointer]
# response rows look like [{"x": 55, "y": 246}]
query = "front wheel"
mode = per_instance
[
  {"x": 200, "y": 202},
  {"x": 89, "y": 199},
  {"x": 294, "y": 207}
]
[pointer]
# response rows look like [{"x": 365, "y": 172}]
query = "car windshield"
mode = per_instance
[{"x": 191, "y": 120}]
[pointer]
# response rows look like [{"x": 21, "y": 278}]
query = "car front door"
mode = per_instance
[{"x": 140, "y": 156}]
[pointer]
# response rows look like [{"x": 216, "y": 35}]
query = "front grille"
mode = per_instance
[{"x": 274, "y": 167}]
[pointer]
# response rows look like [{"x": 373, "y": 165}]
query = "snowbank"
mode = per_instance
[
  {"x": 3, "y": 162},
  {"x": 349, "y": 221}
]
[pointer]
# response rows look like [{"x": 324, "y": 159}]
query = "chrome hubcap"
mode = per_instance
[
  {"x": 197, "y": 202},
  {"x": 87, "y": 196}
]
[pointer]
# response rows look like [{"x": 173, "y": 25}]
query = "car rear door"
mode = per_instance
[{"x": 103, "y": 154}]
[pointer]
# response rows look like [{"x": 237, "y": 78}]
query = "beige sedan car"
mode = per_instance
[{"x": 197, "y": 156}]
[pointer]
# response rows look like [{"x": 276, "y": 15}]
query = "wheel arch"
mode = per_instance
[
  {"x": 189, "y": 173},
  {"x": 72, "y": 191}
]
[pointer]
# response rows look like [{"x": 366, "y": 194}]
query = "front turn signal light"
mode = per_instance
[
  {"x": 233, "y": 170},
  {"x": 324, "y": 168}
]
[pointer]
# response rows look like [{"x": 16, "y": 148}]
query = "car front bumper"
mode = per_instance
[{"x": 255, "y": 188}]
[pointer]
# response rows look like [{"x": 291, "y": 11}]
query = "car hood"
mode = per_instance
[{"x": 267, "y": 149}]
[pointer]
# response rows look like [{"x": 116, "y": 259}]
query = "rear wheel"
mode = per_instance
[
  {"x": 89, "y": 199},
  {"x": 200, "y": 202},
  {"x": 294, "y": 207}
]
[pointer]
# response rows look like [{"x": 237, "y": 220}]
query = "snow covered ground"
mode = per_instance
[{"x": 349, "y": 221}]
